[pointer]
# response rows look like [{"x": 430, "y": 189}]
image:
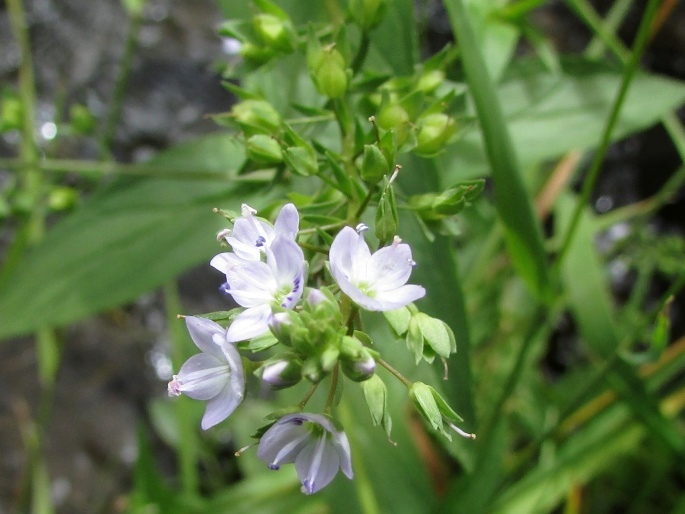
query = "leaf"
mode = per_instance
[
  {"x": 549, "y": 114},
  {"x": 130, "y": 237},
  {"x": 522, "y": 231}
]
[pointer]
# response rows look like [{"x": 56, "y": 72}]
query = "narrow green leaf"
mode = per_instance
[{"x": 521, "y": 229}]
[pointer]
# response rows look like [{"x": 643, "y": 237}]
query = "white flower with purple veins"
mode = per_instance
[
  {"x": 258, "y": 285},
  {"x": 251, "y": 236},
  {"x": 378, "y": 281},
  {"x": 313, "y": 443},
  {"x": 215, "y": 375}
]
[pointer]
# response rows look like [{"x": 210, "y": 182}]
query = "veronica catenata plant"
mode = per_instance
[{"x": 302, "y": 282}]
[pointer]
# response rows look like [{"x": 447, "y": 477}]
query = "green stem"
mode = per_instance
[
  {"x": 399, "y": 376},
  {"x": 308, "y": 396},
  {"x": 117, "y": 102},
  {"x": 602, "y": 30},
  {"x": 99, "y": 169},
  {"x": 609, "y": 26},
  {"x": 598, "y": 158},
  {"x": 331, "y": 393},
  {"x": 359, "y": 59}
]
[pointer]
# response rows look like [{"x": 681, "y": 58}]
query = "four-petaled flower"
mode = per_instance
[
  {"x": 258, "y": 285},
  {"x": 313, "y": 443},
  {"x": 251, "y": 236},
  {"x": 215, "y": 375},
  {"x": 378, "y": 281}
]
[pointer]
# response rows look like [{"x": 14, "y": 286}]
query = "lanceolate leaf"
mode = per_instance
[
  {"x": 521, "y": 230},
  {"x": 130, "y": 237},
  {"x": 549, "y": 114}
]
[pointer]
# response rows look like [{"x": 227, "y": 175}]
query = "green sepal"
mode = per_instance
[
  {"x": 422, "y": 395},
  {"x": 264, "y": 149},
  {"x": 301, "y": 160},
  {"x": 374, "y": 165},
  {"x": 376, "y": 396},
  {"x": 398, "y": 319},
  {"x": 436, "y": 334},
  {"x": 386, "y": 215}
]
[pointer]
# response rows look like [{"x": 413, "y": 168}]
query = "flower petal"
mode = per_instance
[
  {"x": 349, "y": 255},
  {"x": 317, "y": 464},
  {"x": 283, "y": 441},
  {"x": 203, "y": 376},
  {"x": 202, "y": 331},
  {"x": 220, "y": 407},
  {"x": 390, "y": 267},
  {"x": 288, "y": 222},
  {"x": 389, "y": 300},
  {"x": 250, "y": 323},
  {"x": 250, "y": 283}
]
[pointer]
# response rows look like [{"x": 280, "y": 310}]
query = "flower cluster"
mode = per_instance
[{"x": 266, "y": 275}]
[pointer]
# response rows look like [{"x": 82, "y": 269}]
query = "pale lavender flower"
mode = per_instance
[
  {"x": 251, "y": 236},
  {"x": 378, "y": 281},
  {"x": 258, "y": 285},
  {"x": 215, "y": 375},
  {"x": 313, "y": 443}
]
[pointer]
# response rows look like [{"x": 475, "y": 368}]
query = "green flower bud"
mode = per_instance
[
  {"x": 281, "y": 372},
  {"x": 392, "y": 116},
  {"x": 256, "y": 116},
  {"x": 357, "y": 363},
  {"x": 368, "y": 13},
  {"x": 374, "y": 165},
  {"x": 256, "y": 54},
  {"x": 430, "y": 80},
  {"x": 434, "y": 132},
  {"x": 329, "y": 74},
  {"x": 264, "y": 149},
  {"x": 275, "y": 32}
]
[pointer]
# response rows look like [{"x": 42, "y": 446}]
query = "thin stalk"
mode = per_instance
[
  {"x": 117, "y": 102},
  {"x": 107, "y": 168},
  {"x": 362, "y": 52},
  {"x": 399, "y": 376},
  {"x": 609, "y": 26},
  {"x": 331, "y": 393},
  {"x": 31, "y": 181},
  {"x": 308, "y": 396},
  {"x": 598, "y": 158}
]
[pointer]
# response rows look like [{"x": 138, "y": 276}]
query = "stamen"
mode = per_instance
[
  {"x": 260, "y": 241},
  {"x": 174, "y": 387},
  {"x": 362, "y": 227},
  {"x": 412, "y": 263},
  {"x": 461, "y": 432},
  {"x": 225, "y": 288},
  {"x": 247, "y": 211},
  {"x": 222, "y": 234},
  {"x": 395, "y": 241},
  {"x": 395, "y": 173}
]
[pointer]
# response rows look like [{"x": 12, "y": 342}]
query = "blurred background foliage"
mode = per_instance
[{"x": 562, "y": 283}]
